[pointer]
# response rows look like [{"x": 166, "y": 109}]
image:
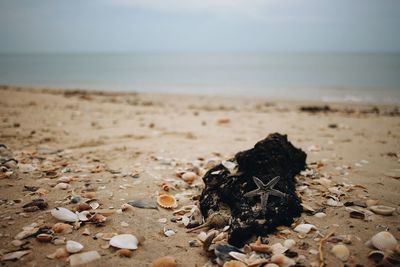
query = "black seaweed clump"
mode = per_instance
[{"x": 224, "y": 190}]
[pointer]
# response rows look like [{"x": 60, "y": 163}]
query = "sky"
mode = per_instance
[{"x": 73, "y": 26}]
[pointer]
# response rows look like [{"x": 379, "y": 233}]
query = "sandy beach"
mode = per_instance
[{"x": 117, "y": 147}]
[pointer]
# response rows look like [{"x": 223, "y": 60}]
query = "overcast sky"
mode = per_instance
[{"x": 28, "y": 26}]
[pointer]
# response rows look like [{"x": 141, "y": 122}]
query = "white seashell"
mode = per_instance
[
  {"x": 282, "y": 260},
  {"x": 64, "y": 214},
  {"x": 83, "y": 258},
  {"x": 202, "y": 236},
  {"x": 382, "y": 210},
  {"x": 288, "y": 243},
  {"x": 304, "y": 228},
  {"x": 127, "y": 241},
  {"x": 94, "y": 204},
  {"x": 277, "y": 248},
  {"x": 62, "y": 186},
  {"x": 73, "y": 246},
  {"x": 189, "y": 177},
  {"x": 229, "y": 165},
  {"x": 333, "y": 203},
  {"x": 15, "y": 255},
  {"x": 84, "y": 215},
  {"x": 169, "y": 232},
  {"x": 384, "y": 241},
  {"x": 320, "y": 215},
  {"x": 341, "y": 252},
  {"x": 64, "y": 179},
  {"x": 238, "y": 256}
]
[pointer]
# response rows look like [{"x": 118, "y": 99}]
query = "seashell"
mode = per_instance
[
  {"x": 59, "y": 240},
  {"x": 126, "y": 207},
  {"x": 64, "y": 179},
  {"x": 282, "y": 260},
  {"x": 320, "y": 215},
  {"x": 86, "y": 231},
  {"x": 125, "y": 253},
  {"x": 90, "y": 195},
  {"x": 143, "y": 204},
  {"x": 189, "y": 177},
  {"x": 127, "y": 241},
  {"x": 94, "y": 204},
  {"x": 73, "y": 246},
  {"x": 62, "y": 228},
  {"x": 44, "y": 238},
  {"x": 84, "y": 216},
  {"x": 384, "y": 241},
  {"x": 167, "y": 201},
  {"x": 333, "y": 203},
  {"x": 17, "y": 243},
  {"x": 371, "y": 202},
  {"x": 260, "y": 247},
  {"x": 16, "y": 255},
  {"x": 202, "y": 236},
  {"x": 185, "y": 220},
  {"x": 234, "y": 263},
  {"x": 357, "y": 215},
  {"x": 229, "y": 165},
  {"x": 64, "y": 214},
  {"x": 83, "y": 258},
  {"x": 304, "y": 228},
  {"x": 106, "y": 236},
  {"x": 166, "y": 261},
  {"x": 169, "y": 232},
  {"x": 341, "y": 252},
  {"x": 26, "y": 233},
  {"x": 238, "y": 256},
  {"x": 98, "y": 218},
  {"x": 83, "y": 206},
  {"x": 62, "y": 186},
  {"x": 58, "y": 254},
  {"x": 382, "y": 210},
  {"x": 376, "y": 255},
  {"x": 289, "y": 243},
  {"x": 277, "y": 248},
  {"x": 194, "y": 243}
]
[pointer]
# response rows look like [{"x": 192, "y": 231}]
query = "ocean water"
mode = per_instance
[{"x": 359, "y": 77}]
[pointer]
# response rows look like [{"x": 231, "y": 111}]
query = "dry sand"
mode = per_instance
[{"x": 100, "y": 137}]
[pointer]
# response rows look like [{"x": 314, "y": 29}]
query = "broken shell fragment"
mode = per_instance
[
  {"x": 341, "y": 252},
  {"x": 125, "y": 253},
  {"x": 167, "y": 201},
  {"x": 282, "y": 260},
  {"x": 304, "y": 228},
  {"x": 376, "y": 255},
  {"x": 189, "y": 177},
  {"x": 62, "y": 228},
  {"x": 382, "y": 210},
  {"x": 384, "y": 241},
  {"x": 166, "y": 261},
  {"x": 83, "y": 258},
  {"x": 58, "y": 254},
  {"x": 64, "y": 214},
  {"x": 127, "y": 241},
  {"x": 169, "y": 232},
  {"x": 15, "y": 255},
  {"x": 234, "y": 263},
  {"x": 73, "y": 246}
]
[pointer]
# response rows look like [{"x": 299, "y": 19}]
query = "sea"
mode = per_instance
[{"x": 343, "y": 77}]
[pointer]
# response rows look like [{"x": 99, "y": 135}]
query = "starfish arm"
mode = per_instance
[
  {"x": 277, "y": 193},
  {"x": 258, "y": 182},
  {"x": 273, "y": 182},
  {"x": 264, "y": 200},
  {"x": 253, "y": 193}
]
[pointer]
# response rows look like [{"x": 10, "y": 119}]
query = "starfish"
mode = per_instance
[{"x": 264, "y": 190}]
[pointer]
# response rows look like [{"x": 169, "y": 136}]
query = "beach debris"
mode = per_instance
[
  {"x": 167, "y": 201},
  {"x": 304, "y": 228},
  {"x": 73, "y": 246},
  {"x": 127, "y": 253},
  {"x": 316, "y": 109},
  {"x": 341, "y": 252},
  {"x": 126, "y": 241},
  {"x": 384, "y": 241},
  {"x": 36, "y": 204},
  {"x": 166, "y": 261},
  {"x": 382, "y": 210},
  {"x": 58, "y": 254},
  {"x": 143, "y": 204},
  {"x": 169, "y": 232},
  {"x": 234, "y": 263},
  {"x": 64, "y": 214},
  {"x": 270, "y": 158},
  {"x": 83, "y": 258},
  {"x": 16, "y": 255}
]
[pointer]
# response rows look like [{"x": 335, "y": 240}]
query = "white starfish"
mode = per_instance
[{"x": 264, "y": 190}]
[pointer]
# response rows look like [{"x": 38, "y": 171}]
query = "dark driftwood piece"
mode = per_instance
[{"x": 228, "y": 192}]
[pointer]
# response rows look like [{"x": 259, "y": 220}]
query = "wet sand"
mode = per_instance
[{"x": 123, "y": 146}]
